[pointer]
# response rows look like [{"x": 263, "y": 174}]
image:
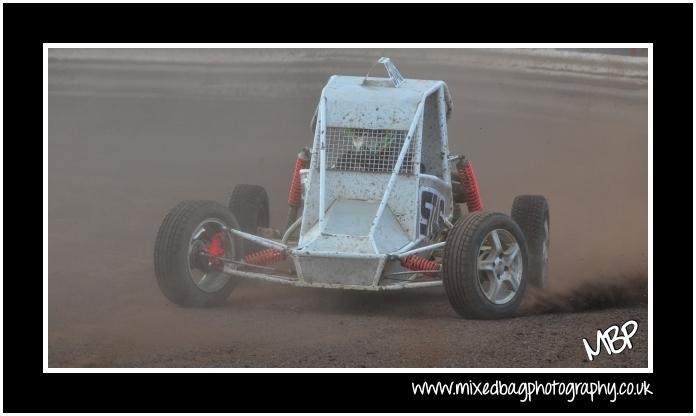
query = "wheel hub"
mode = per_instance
[
  {"x": 199, "y": 258},
  {"x": 207, "y": 244},
  {"x": 499, "y": 267}
]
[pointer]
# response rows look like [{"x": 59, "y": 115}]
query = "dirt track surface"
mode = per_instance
[{"x": 129, "y": 139}]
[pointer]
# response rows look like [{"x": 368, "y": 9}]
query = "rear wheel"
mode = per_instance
[
  {"x": 249, "y": 204},
  {"x": 531, "y": 213},
  {"x": 458, "y": 194},
  {"x": 456, "y": 212},
  {"x": 484, "y": 266},
  {"x": 190, "y": 240}
]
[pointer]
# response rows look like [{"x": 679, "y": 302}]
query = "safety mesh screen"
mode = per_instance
[{"x": 366, "y": 150}]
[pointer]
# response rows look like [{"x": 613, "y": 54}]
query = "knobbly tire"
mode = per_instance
[
  {"x": 177, "y": 259},
  {"x": 478, "y": 273},
  {"x": 249, "y": 204},
  {"x": 531, "y": 213}
]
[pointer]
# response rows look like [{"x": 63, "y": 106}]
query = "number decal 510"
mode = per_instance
[{"x": 432, "y": 212}]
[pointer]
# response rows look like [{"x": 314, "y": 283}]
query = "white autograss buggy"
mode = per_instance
[{"x": 378, "y": 195}]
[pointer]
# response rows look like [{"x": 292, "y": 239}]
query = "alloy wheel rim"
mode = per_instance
[
  {"x": 499, "y": 266},
  {"x": 201, "y": 267}
]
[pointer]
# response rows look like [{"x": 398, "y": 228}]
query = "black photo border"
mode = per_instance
[{"x": 27, "y": 26}]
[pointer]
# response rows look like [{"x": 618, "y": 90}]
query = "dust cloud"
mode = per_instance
[{"x": 131, "y": 133}]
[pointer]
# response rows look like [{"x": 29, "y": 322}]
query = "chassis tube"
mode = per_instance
[
  {"x": 261, "y": 276},
  {"x": 424, "y": 248},
  {"x": 296, "y": 282},
  {"x": 413, "y": 285},
  {"x": 291, "y": 229},
  {"x": 395, "y": 171},
  {"x": 335, "y": 254},
  {"x": 404, "y": 149},
  {"x": 259, "y": 240},
  {"x": 322, "y": 160}
]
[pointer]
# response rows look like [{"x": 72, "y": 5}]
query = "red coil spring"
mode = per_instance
[
  {"x": 470, "y": 185},
  {"x": 267, "y": 256},
  {"x": 295, "y": 183},
  {"x": 419, "y": 263}
]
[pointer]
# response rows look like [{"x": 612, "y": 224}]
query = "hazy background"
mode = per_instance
[{"x": 132, "y": 132}]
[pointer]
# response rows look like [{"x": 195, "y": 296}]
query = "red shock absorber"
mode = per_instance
[
  {"x": 419, "y": 263},
  {"x": 470, "y": 185},
  {"x": 295, "y": 183},
  {"x": 267, "y": 256},
  {"x": 295, "y": 192},
  {"x": 215, "y": 248}
]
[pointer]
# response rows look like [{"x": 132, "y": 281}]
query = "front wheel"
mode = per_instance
[
  {"x": 189, "y": 243},
  {"x": 484, "y": 266}
]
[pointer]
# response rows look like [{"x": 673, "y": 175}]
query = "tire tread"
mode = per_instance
[
  {"x": 530, "y": 212},
  {"x": 169, "y": 237}
]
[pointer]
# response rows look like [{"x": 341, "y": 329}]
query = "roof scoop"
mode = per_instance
[{"x": 394, "y": 74}]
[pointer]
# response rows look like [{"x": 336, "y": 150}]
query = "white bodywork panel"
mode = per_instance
[{"x": 380, "y": 145}]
